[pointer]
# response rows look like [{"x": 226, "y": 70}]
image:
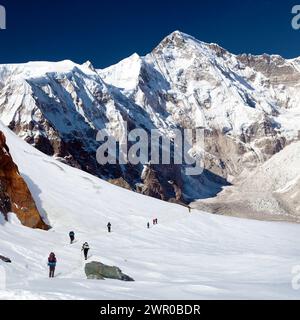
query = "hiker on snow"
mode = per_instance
[
  {"x": 148, "y": 225},
  {"x": 109, "y": 227},
  {"x": 51, "y": 264},
  {"x": 85, "y": 249},
  {"x": 72, "y": 236}
]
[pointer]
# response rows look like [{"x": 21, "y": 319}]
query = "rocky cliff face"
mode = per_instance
[
  {"x": 248, "y": 107},
  {"x": 14, "y": 193}
]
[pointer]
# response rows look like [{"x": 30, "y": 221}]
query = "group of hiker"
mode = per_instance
[
  {"x": 85, "y": 248},
  {"x": 155, "y": 221},
  {"x": 52, "y": 258}
]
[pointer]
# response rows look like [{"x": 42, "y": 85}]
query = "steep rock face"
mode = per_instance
[
  {"x": 151, "y": 185},
  {"x": 14, "y": 193}
]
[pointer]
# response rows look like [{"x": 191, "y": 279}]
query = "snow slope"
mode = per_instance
[{"x": 186, "y": 256}]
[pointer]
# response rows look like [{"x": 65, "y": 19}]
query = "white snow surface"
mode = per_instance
[
  {"x": 186, "y": 256},
  {"x": 35, "y": 69},
  {"x": 124, "y": 74}
]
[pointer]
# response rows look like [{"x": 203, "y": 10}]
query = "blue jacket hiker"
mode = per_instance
[{"x": 52, "y": 264}]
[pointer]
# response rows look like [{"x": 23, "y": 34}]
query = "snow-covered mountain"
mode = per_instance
[
  {"x": 247, "y": 105},
  {"x": 186, "y": 256},
  {"x": 269, "y": 192}
]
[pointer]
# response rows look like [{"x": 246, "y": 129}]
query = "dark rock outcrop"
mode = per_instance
[
  {"x": 5, "y": 259},
  {"x": 177, "y": 190},
  {"x": 5, "y": 204}
]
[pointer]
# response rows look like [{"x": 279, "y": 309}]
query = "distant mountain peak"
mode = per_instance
[{"x": 89, "y": 65}]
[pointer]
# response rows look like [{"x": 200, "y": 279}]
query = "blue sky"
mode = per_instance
[{"x": 108, "y": 31}]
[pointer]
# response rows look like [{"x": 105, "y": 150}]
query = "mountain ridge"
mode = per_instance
[{"x": 247, "y": 106}]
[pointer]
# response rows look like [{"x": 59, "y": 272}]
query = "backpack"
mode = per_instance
[
  {"x": 71, "y": 234},
  {"x": 85, "y": 246},
  {"x": 52, "y": 259}
]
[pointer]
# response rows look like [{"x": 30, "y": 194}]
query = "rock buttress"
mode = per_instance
[{"x": 14, "y": 193}]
